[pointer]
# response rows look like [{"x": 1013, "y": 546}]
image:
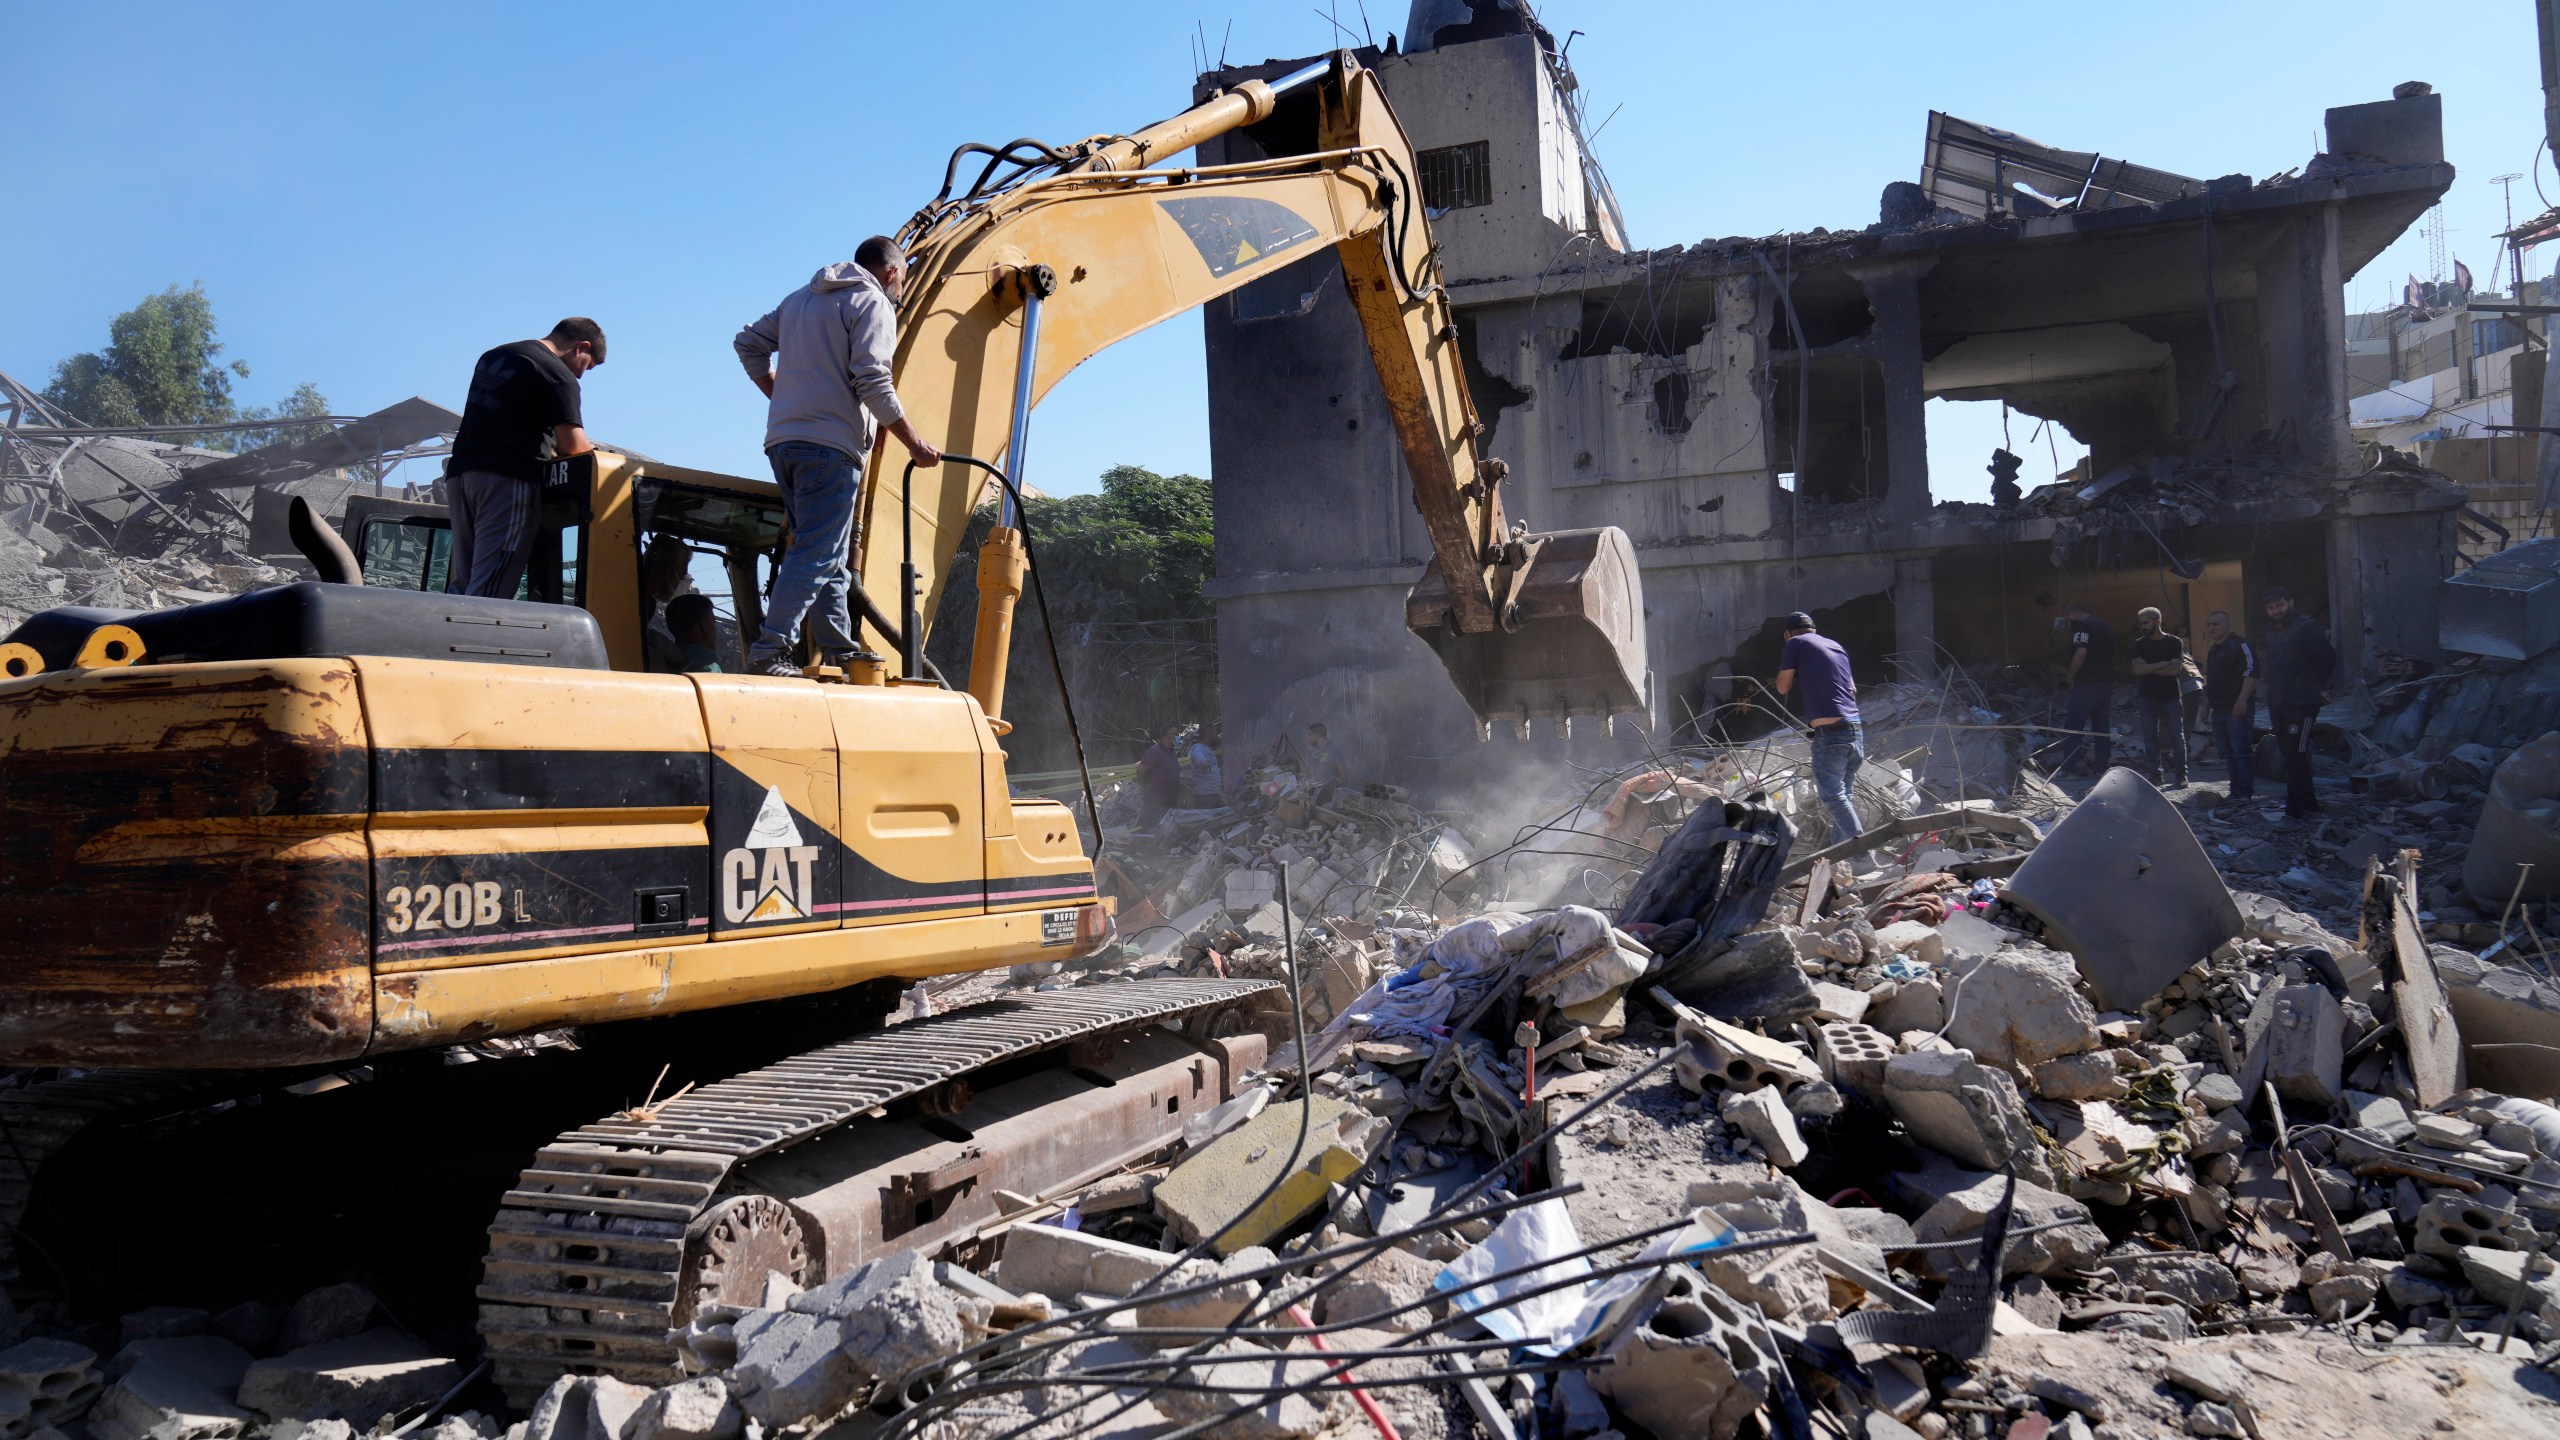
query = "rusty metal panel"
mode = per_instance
[{"x": 182, "y": 848}]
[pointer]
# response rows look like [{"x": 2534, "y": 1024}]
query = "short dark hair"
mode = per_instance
[
  {"x": 578, "y": 329},
  {"x": 1316, "y": 727},
  {"x": 875, "y": 252},
  {"x": 687, "y": 611},
  {"x": 2273, "y": 594}
]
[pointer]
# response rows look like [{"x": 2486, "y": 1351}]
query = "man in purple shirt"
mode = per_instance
[{"x": 1831, "y": 706}]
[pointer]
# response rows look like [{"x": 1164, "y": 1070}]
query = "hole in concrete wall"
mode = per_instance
[
  {"x": 1963, "y": 433},
  {"x": 1671, "y": 403},
  {"x": 1845, "y": 452},
  {"x": 1831, "y": 305},
  {"x": 1643, "y": 319},
  {"x": 1492, "y": 393}
]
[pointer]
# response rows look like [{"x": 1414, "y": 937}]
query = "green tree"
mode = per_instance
[{"x": 162, "y": 366}]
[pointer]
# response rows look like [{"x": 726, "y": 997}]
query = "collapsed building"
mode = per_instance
[{"x": 1751, "y": 410}]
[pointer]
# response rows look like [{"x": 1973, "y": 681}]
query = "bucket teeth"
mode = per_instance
[{"x": 1572, "y": 645}]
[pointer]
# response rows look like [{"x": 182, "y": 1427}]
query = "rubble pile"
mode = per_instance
[
  {"x": 1951, "y": 1146},
  {"x": 107, "y": 523}
]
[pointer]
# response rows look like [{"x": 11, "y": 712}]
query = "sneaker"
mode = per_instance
[{"x": 781, "y": 667}]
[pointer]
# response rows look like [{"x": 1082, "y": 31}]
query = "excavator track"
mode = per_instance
[
  {"x": 37, "y": 1122},
  {"x": 588, "y": 1259}
]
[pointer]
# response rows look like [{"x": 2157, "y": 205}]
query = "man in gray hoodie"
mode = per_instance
[{"x": 836, "y": 337}]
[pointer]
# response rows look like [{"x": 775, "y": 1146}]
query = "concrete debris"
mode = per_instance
[{"x": 365, "y": 1374}]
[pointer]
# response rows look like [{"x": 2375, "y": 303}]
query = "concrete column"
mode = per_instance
[
  {"x": 2302, "y": 329},
  {"x": 1915, "y": 618},
  {"x": 1893, "y": 295}
]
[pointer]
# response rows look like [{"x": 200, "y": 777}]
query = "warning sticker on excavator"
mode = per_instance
[{"x": 1233, "y": 231}]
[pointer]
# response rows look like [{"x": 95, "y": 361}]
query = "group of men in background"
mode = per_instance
[{"x": 2290, "y": 669}]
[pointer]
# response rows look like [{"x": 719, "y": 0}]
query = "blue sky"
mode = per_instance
[{"x": 374, "y": 194}]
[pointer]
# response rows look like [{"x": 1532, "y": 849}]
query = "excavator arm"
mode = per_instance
[{"x": 1057, "y": 253}]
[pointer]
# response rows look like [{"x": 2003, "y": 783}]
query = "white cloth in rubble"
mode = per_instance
[
  {"x": 1589, "y": 960},
  {"x": 1467, "y": 960}
]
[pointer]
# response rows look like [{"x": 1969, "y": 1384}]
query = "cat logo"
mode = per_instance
[{"x": 770, "y": 877}]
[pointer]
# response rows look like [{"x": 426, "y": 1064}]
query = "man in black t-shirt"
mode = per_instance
[
  {"x": 2159, "y": 662},
  {"x": 2088, "y": 711},
  {"x": 2231, "y": 700},
  {"x": 523, "y": 413}
]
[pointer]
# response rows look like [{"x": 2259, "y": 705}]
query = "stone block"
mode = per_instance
[
  {"x": 585, "y": 1407},
  {"x": 2499, "y": 1274},
  {"x": 1965, "y": 935},
  {"x": 162, "y": 1322},
  {"x": 2373, "y": 1235},
  {"x": 1250, "y": 890},
  {"x": 1838, "y": 1003},
  {"x": 1962, "y": 1209},
  {"x": 179, "y": 1388},
  {"x": 896, "y": 1315},
  {"x": 1212, "y": 1309},
  {"x": 1379, "y": 1289},
  {"x": 1237, "y": 1366},
  {"x": 357, "y": 1379},
  {"x": 1913, "y": 940},
  {"x": 1967, "y": 1112},
  {"x": 1762, "y": 1115},
  {"x": 2198, "y": 1282},
  {"x": 2090, "y": 1075},
  {"x": 1853, "y": 1057},
  {"x": 2305, "y": 1045},
  {"x": 1208, "y": 1192},
  {"x": 791, "y": 1368},
  {"x": 2445, "y": 1132},
  {"x": 1786, "y": 1284},
  {"x": 2021, "y": 1007},
  {"x": 332, "y": 1312},
  {"x": 1914, "y": 1005},
  {"x": 2218, "y": 1091},
  {"x": 698, "y": 1409},
  {"x": 1062, "y": 1264}
]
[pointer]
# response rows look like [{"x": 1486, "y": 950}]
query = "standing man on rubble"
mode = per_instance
[
  {"x": 2159, "y": 662},
  {"x": 1160, "y": 775},
  {"x": 2231, "y": 700},
  {"x": 522, "y": 413},
  {"x": 836, "y": 337},
  {"x": 2298, "y": 663},
  {"x": 2088, "y": 711},
  {"x": 1831, "y": 708},
  {"x": 1320, "y": 763},
  {"x": 1208, "y": 788}
]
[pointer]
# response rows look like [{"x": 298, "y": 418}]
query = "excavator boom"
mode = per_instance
[{"x": 1057, "y": 253}]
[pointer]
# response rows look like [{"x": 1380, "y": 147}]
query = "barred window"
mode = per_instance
[{"x": 1456, "y": 176}]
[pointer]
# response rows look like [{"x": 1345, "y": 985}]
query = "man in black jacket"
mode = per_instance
[{"x": 2296, "y": 662}]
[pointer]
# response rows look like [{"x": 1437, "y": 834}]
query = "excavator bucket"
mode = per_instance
[{"x": 1570, "y": 644}]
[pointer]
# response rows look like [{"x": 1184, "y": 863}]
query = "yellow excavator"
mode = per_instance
[{"x": 249, "y": 841}]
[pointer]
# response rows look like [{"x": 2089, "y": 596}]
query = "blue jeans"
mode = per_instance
[
  {"x": 1838, "y": 751},
  {"x": 819, "y": 484},
  {"x": 2089, "y": 714},
  {"x": 2238, "y": 737},
  {"x": 2164, "y": 734}
]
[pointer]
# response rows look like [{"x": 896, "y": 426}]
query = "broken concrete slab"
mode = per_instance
[
  {"x": 1208, "y": 1192},
  {"x": 46, "y": 1379},
  {"x": 2089, "y": 1075},
  {"x": 1963, "y": 1205},
  {"x": 1966, "y": 1111},
  {"x": 2020, "y": 1007},
  {"x": 585, "y": 1407},
  {"x": 177, "y": 1388},
  {"x": 1212, "y": 1309},
  {"x": 791, "y": 1367},
  {"x": 1383, "y": 1291},
  {"x": 895, "y": 1315},
  {"x": 1248, "y": 1370},
  {"x": 1762, "y": 1115},
  {"x": 2122, "y": 884},
  {"x": 1786, "y": 1284},
  {"x": 2304, "y": 1046},
  {"x": 1838, "y": 1003},
  {"x": 358, "y": 1378},
  {"x": 697, "y": 1409},
  {"x": 1062, "y": 1264},
  {"x": 2509, "y": 1019},
  {"x": 1913, "y": 940},
  {"x": 1967, "y": 936}
]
